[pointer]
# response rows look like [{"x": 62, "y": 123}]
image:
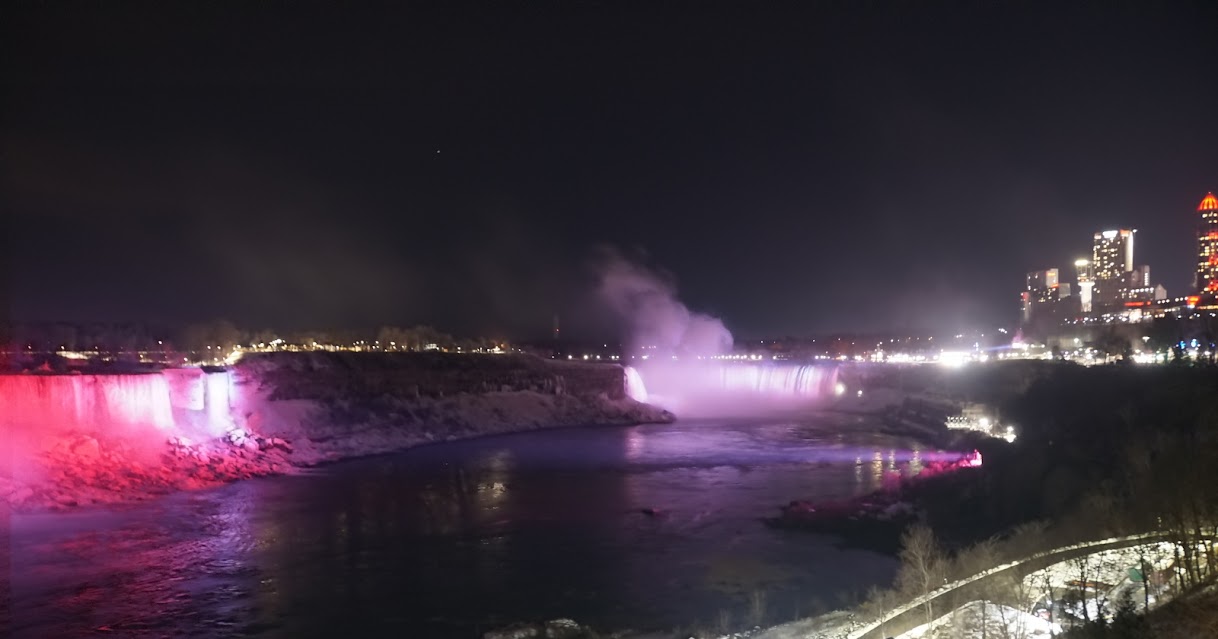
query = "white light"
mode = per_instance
[
  {"x": 840, "y": 389},
  {"x": 954, "y": 359}
]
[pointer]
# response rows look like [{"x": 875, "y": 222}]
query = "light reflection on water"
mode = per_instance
[{"x": 452, "y": 540}]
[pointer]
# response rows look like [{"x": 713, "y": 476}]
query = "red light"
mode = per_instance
[
  {"x": 1193, "y": 299},
  {"x": 1210, "y": 203}
]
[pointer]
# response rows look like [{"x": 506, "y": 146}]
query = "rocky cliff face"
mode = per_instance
[
  {"x": 337, "y": 405},
  {"x": 360, "y": 376}
]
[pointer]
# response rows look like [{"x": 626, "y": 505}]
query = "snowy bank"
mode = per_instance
[
  {"x": 69, "y": 440},
  {"x": 337, "y": 405}
]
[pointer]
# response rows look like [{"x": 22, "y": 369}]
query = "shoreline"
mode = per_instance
[{"x": 83, "y": 472}]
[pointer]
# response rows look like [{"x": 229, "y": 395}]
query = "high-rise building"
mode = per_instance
[
  {"x": 1041, "y": 292},
  {"x": 1207, "y": 245},
  {"x": 1112, "y": 259},
  {"x": 1138, "y": 277},
  {"x": 1043, "y": 284},
  {"x": 1086, "y": 280}
]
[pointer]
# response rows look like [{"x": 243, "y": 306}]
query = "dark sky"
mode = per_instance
[{"x": 797, "y": 168}]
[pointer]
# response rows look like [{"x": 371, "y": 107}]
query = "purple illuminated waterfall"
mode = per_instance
[
  {"x": 731, "y": 388},
  {"x": 635, "y": 388},
  {"x": 778, "y": 381}
]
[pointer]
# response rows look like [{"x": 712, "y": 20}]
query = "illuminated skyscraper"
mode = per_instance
[
  {"x": 1086, "y": 281},
  {"x": 1112, "y": 259},
  {"x": 1207, "y": 245},
  {"x": 1043, "y": 284},
  {"x": 1042, "y": 292}
]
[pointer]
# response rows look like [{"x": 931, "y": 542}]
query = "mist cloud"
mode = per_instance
[{"x": 646, "y": 303}]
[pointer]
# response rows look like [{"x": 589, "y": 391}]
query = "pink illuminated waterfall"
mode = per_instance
[
  {"x": 177, "y": 401},
  {"x": 62, "y": 402}
]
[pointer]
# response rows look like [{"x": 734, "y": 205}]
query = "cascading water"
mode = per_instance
[
  {"x": 203, "y": 401},
  {"x": 704, "y": 388},
  {"x": 635, "y": 389},
  {"x": 778, "y": 380},
  {"x": 62, "y": 402},
  {"x": 140, "y": 404}
]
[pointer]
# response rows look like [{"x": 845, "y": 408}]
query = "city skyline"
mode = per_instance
[{"x": 1111, "y": 284}]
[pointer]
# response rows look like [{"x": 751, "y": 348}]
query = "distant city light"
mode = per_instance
[{"x": 953, "y": 359}]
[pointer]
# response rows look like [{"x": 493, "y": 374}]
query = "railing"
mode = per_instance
[{"x": 912, "y": 614}]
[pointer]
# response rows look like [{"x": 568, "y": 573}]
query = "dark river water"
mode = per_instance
[{"x": 455, "y": 539}]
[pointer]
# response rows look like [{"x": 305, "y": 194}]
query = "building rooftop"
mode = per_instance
[{"x": 1209, "y": 203}]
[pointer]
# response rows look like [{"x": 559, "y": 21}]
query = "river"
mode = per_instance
[{"x": 452, "y": 540}]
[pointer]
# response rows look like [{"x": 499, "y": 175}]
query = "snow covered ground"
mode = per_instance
[
  {"x": 833, "y": 625},
  {"x": 1106, "y": 571},
  {"x": 978, "y": 619}
]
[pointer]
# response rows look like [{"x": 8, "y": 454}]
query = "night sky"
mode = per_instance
[{"x": 796, "y": 168}]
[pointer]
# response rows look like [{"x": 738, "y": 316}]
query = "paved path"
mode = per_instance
[{"x": 913, "y": 614}]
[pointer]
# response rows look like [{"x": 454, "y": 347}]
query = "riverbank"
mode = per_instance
[{"x": 276, "y": 413}]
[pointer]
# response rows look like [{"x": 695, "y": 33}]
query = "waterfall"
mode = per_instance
[
  {"x": 736, "y": 387},
  {"x": 64, "y": 402},
  {"x": 132, "y": 404},
  {"x": 202, "y": 400},
  {"x": 635, "y": 389},
  {"x": 777, "y": 380}
]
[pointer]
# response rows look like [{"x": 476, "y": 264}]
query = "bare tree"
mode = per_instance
[
  {"x": 880, "y": 601},
  {"x": 923, "y": 567}
]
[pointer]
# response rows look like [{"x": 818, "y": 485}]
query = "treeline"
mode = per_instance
[
  {"x": 1102, "y": 451},
  {"x": 219, "y": 334},
  {"x": 1082, "y": 431}
]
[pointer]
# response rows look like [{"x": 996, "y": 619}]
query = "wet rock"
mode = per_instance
[
  {"x": 87, "y": 449},
  {"x": 564, "y": 629}
]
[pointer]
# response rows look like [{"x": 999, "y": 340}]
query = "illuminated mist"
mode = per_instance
[{"x": 655, "y": 320}]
